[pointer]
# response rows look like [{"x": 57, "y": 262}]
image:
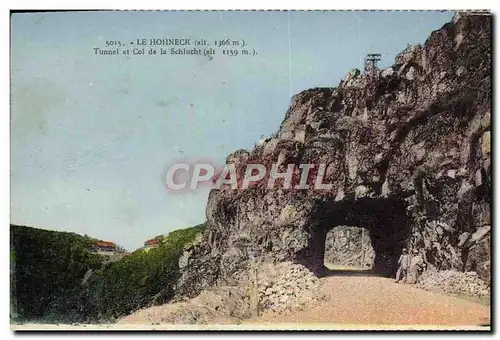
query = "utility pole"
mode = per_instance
[{"x": 371, "y": 61}]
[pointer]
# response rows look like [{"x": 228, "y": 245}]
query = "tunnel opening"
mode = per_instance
[
  {"x": 349, "y": 248},
  {"x": 384, "y": 219}
]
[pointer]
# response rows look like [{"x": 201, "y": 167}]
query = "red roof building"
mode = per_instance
[
  {"x": 151, "y": 243},
  {"x": 104, "y": 246}
]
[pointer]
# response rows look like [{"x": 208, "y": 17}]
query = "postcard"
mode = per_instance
[{"x": 251, "y": 170}]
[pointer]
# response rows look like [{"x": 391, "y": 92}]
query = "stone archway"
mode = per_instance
[{"x": 384, "y": 218}]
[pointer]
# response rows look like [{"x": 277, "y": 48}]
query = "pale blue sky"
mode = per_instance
[{"x": 91, "y": 136}]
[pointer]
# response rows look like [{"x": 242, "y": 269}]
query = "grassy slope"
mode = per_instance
[
  {"x": 139, "y": 279},
  {"x": 47, "y": 265},
  {"x": 48, "y": 268}
]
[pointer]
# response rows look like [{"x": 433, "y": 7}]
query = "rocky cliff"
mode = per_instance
[{"x": 408, "y": 154}]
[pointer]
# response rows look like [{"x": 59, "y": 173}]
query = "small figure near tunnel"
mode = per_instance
[
  {"x": 403, "y": 265},
  {"x": 417, "y": 266}
]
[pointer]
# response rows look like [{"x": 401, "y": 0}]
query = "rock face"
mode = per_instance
[
  {"x": 349, "y": 246},
  {"x": 408, "y": 154}
]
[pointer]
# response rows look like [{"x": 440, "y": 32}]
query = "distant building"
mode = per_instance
[
  {"x": 104, "y": 247},
  {"x": 152, "y": 243}
]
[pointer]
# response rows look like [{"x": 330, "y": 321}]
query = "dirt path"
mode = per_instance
[
  {"x": 371, "y": 300},
  {"x": 352, "y": 303},
  {"x": 353, "y": 300}
]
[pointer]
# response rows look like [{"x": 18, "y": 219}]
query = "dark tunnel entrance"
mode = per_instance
[{"x": 385, "y": 219}]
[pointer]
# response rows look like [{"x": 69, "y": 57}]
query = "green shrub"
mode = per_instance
[
  {"x": 139, "y": 279},
  {"x": 47, "y": 265}
]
